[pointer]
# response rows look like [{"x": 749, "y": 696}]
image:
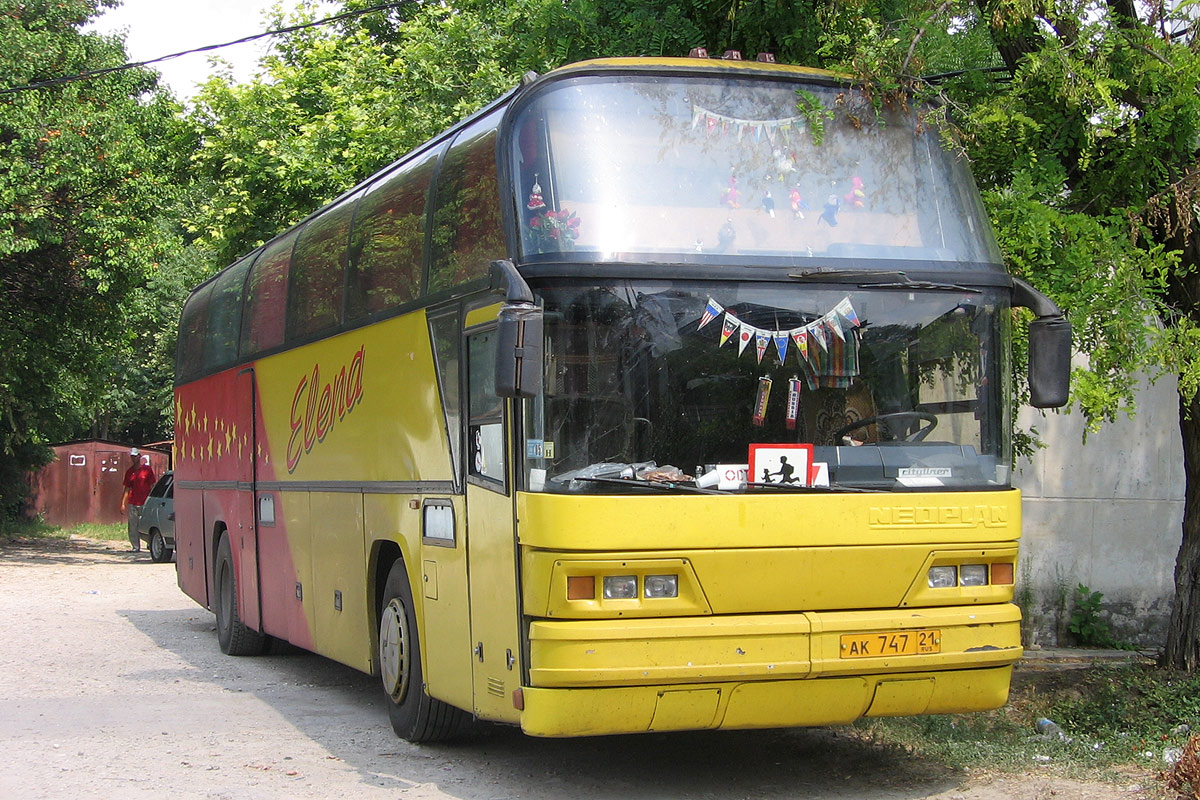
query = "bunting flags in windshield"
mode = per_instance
[
  {"x": 712, "y": 122},
  {"x": 827, "y": 348}
]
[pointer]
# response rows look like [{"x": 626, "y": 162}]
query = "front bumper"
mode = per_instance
[{"x": 750, "y": 671}]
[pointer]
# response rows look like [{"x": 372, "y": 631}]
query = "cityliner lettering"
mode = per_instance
[
  {"x": 316, "y": 408},
  {"x": 938, "y": 516}
]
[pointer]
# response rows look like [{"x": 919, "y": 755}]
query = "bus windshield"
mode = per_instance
[
  {"x": 663, "y": 382},
  {"x": 702, "y": 169}
]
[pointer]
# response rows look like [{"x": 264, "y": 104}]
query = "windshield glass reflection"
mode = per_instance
[{"x": 668, "y": 382}]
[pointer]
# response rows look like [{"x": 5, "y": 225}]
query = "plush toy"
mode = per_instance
[
  {"x": 829, "y": 213},
  {"x": 730, "y": 198},
  {"x": 797, "y": 203},
  {"x": 856, "y": 197},
  {"x": 536, "y": 203}
]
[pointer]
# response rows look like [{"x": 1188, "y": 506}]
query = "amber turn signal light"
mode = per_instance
[
  {"x": 1002, "y": 574},
  {"x": 581, "y": 587}
]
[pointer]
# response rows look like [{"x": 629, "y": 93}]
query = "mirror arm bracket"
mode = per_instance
[
  {"x": 1025, "y": 296},
  {"x": 503, "y": 278}
]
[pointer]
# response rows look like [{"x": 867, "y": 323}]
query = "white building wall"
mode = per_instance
[{"x": 1107, "y": 514}]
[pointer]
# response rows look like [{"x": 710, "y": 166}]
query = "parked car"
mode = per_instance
[{"x": 156, "y": 526}]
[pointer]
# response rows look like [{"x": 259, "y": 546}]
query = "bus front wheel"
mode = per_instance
[
  {"x": 415, "y": 715},
  {"x": 232, "y": 634}
]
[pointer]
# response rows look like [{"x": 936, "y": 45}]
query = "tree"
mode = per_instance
[
  {"x": 1082, "y": 123},
  {"x": 82, "y": 179}
]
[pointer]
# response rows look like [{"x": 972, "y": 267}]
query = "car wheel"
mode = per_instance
[
  {"x": 159, "y": 552},
  {"x": 233, "y": 636},
  {"x": 415, "y": 715}
]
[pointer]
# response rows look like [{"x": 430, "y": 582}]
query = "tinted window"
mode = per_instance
[
  {"x": 444, "y": 331},
  {"x": 163, "y": 487},
  {"x": 267, "y": 298},
  {"x": 189, "y": 351},
  {"x": 467, "y": 234},
  {"x": 318, "y": 272},
  {"x": 388, "y": 241},
  {"x": 486, "y": 431},
  {"x": 225, "y": 316}
]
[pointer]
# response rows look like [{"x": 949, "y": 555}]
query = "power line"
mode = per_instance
[{"x": 95, "y": 73}]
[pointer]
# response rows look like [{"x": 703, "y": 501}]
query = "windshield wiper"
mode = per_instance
[
  {"x": 662, "y": 486},
  {"x": 798, "y": 489},
  {"x": 900, "y": 279}
]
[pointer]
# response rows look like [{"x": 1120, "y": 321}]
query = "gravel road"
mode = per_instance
[{"x": 112, "y": 686}]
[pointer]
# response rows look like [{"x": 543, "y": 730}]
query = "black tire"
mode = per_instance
[
  {"x": 233, "y": 636},
  {"x": 159, "y": 552},
  {"x": 415, "y": 715}
]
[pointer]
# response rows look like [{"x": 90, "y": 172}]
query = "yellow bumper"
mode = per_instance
[{"x": 754, "y": 671}]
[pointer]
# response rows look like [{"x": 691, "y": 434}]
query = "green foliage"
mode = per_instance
[
  {"x": 1086, "y": 623},
  {"x": 1110, "y": 714},
  {"x": 88, "y": 166},
  {"x": 1134, "y": 702},
  {"x": 330, "y": 107}
]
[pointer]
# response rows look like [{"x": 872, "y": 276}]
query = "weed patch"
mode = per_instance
[{"x": 1114, "y": 720}]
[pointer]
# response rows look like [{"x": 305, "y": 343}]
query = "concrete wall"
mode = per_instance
[{"x": 1107, "y": 514}]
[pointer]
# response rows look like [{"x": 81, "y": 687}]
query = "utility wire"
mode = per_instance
[{"x": 95, "y": 73}]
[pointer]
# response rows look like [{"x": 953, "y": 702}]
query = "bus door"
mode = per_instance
[
  {"x": 243, "y": 531},
  {"x": 491, "y": 543}
]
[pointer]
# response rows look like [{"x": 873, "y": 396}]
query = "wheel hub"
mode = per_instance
[{"x": 393, "y": 666}]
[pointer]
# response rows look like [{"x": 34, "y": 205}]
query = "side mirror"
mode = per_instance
[
  {"x": 519, "y": 351},
  {"x": 1049, "y": 362},
  {"x": 518, "y": 336},
  {"x": 1049, "y": 348}
]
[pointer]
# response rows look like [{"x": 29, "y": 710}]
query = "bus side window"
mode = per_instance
[
  {"x": 387, "y": 243},
  {"x": 467, "y": 233},
  {"x": 225, "y": 316},
  {"x": 266, "y": 298},
  {"x": 189, "y": 353},
  {"x": 318, "y": 277},
  {"x": 485, "y": 432}
]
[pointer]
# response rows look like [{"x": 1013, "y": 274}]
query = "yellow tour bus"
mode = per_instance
[{"x": 657, "y": 395}]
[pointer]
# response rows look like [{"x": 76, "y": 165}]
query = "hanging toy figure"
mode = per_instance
[
  {"x": 797, "y": 203},
  {"x": 732, "y": 194},
  {"x": 536, "y": 203},
  {"x": 768, "y": 204},
  {"x": 857, "y": 196},
  {"x": 829, "y": 213},
  {"x": 760, "y": 402},
  {"x": 725, "y": 236}
]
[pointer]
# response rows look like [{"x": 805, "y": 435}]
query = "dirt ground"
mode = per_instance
[{"x": 112, "y": 685}]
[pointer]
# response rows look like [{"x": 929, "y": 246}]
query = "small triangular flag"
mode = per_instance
[
  {"x": 744, "y": 336},
  {"x": 762, "y": 340},
  {"x": 800, "y": 337},
  {"x": 781, "y": 344},
  {"x": 730, "y": 325},
  {"x": 711, "y": 311},
  {"x": 817, "y": 331}
]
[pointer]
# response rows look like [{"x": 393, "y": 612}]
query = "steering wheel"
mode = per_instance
[{"x": 916, "y": 436}]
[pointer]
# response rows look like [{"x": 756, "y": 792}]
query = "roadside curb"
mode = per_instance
[{"x": 1048, "y": 658}]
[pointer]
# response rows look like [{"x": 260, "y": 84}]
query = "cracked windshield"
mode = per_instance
[{"x": 728, "y": 386}]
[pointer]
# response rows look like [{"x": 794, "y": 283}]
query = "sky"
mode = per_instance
[{"x": 156, "y": 28}]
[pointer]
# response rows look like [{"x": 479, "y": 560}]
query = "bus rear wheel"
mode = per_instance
[
  {"x": 232, "y": 634},
  {"x": 415, "y": 715}
]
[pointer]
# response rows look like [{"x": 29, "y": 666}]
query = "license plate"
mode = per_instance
[{"x": 895, "y": 643}]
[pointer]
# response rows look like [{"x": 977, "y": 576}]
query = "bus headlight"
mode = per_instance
[
  {"x": 943, "y": 577},
  {"x": 620, "y": 587},
  {"x": 662, "y": 586},
  {"x": 974, "y": 575}
]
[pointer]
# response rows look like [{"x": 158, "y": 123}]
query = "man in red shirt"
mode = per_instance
[{"x": 139, "y": 480}]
